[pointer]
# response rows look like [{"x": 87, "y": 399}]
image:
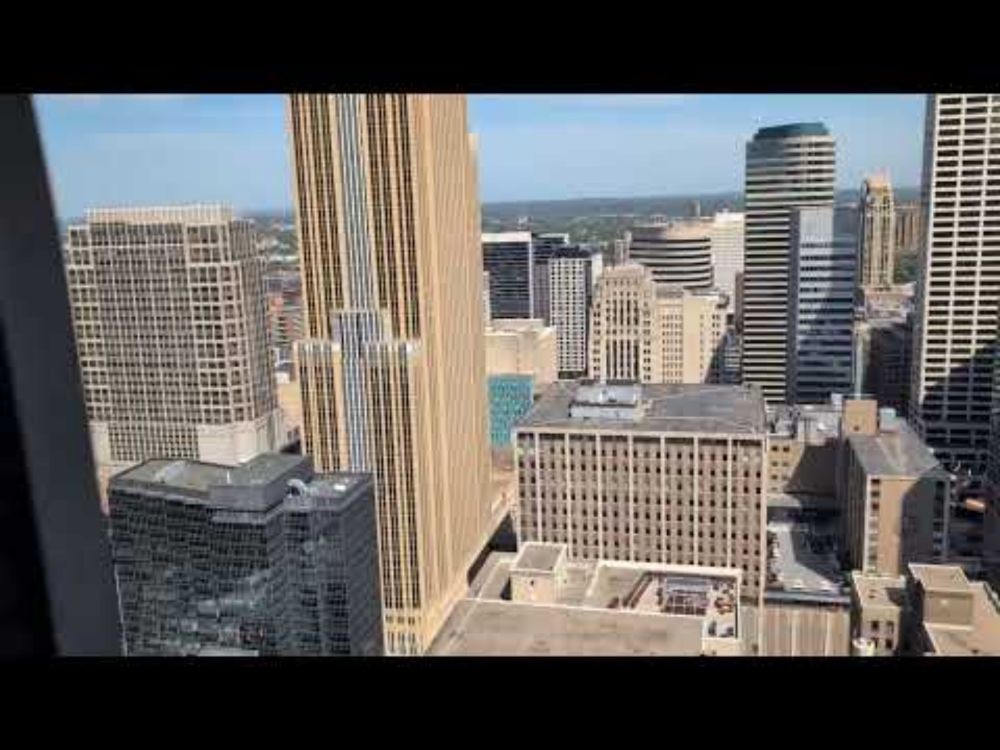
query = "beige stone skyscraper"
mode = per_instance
[
  {"x": 877, "y": 233},
  {"x": 392, "y": 369},
  {"x": 170, "y": 317},
  {"x": 649, "y": 333}
]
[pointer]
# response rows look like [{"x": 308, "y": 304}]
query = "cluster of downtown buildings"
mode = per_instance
[{"x": 737, "y": 423}]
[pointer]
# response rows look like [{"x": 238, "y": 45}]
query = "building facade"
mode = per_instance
[
  {"x": 572, "y": 276},
  {"x": 170, "y": 316},
  {"x": 693, "y": 330},
  {"x": 509, "y": 259},
  {"x": 625, "y": 343},
  {"x": 511, "y": 397},
  {"x": 665, "y": 473},
  {"x": 392, "y": 369},
  {"x": 877, "y": 233},
  {"x": 822, "y": 279},
  {"x": 677, "y": 253},
  {"x": 894, "y": 493},
  {"x": 786, "y": 166},
  {"x": 955, "y": 329},
  {"x": 727, "y": 252},
  {"x": 261, "y": 559},
  {"x": 888, "y": 353},
  {"x": 908, "y": 228},
  {"x": 522, "y": 347}
]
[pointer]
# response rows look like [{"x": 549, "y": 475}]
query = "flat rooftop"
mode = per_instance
[
  {"x": 982, "y": 639},
  {"x": 803, "y": 558},
  {"x": 538, "y": 556},
  {"x": 940, "y": 577},
  {"x": 898, "y": 453},
  {"x": 201, "y": 477},
  {"x": 491, "y": 238},
  {"x": 479, "y": 627},
  {"x": 663, "y": 408},
  {"x": 879, "y": 591}
]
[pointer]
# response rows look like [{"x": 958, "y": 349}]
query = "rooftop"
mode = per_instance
[
  {"x": 898, "y": 452},
  {"x": 878, "y": 591},
  {"x": 255, "y": 485},
  {"x": 192, "y": 214},
  {"x": 601, "y": 609},
  {"x": 981, "y": 639},
  {"x": 940, "y": 577},
  {"x": 501, "y": 237},
  {"x": 791, "y": 130},
  {"x": 803, "y": 559},
  {"x": 538, "y": 556},
  {"x": 664, "y": 408},
  {"x": 684, "y": 229},
  {"x": 479, "y": 627}
]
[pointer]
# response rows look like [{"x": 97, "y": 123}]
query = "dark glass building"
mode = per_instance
[{"x": 265, "y": 558}]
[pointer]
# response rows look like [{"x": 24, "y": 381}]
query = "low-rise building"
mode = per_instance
[
  {"x": 950, "y": 615},
  {"x": 539, "y": 602},
  {"x": 877, "y": 604},
  {"x": 522, "y": 347}
]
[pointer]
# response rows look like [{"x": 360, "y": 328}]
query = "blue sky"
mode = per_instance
[{"x": 130, "y": 150}]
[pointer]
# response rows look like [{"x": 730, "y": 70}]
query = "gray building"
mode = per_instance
[
  {"x": 786, "y": 166},
  {"x": 260, "y": 559},
  {"x": 822, "y": 275}
]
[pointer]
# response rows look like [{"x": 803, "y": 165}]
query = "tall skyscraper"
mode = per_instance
[
  {"x": 544, "y": 247},
  {"x": 955, "y": 330},
  {"x": 727, "y": 251},
  {"x": 261, "y": 559},
  {"x": 877, "y": 235},
  {"x": 787, "y": 166},
  {"x": 822, "y": 281},
  {"x": 170, "y": 316},
  {"x": 393, "y": 374},
  {"x": 572, "y": 272},
  {"x": 651, "y": 334},
  {"x": 677, "y": 253},
  {"x": 624, "y": 326}
]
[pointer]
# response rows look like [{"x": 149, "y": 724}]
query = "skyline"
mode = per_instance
[{"x": 233, "y": 149}]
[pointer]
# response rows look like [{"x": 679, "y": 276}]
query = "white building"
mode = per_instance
[
  {"x": 170, "y": 317},
  {"x": 727, "y": 252},
  {"x": 955, "y": 331}
]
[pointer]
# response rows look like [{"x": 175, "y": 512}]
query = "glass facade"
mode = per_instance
[{"x": 510, "y": 399}]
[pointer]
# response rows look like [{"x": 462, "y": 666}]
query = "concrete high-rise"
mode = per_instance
[
  {"x": 624, "y": 326},
  {"x": 170, "y": 316},
  {"x": 693, "y": 331},
  {"x": 677, "y": 253},
  {"x": 393, "y": 373},
  {"x": 727, "y": 231},
  {"x": 955, "y": 328},
  {"x": 908, "y": 227},
  {"x": 786, "y": 166},
  {"x": 651, "y": 334},
  {"x": 672, "y": 474},
  {"x": 822, "y": 280},
  {"x": 877, "y": 233},
  {"x": 572, "y": 275}
]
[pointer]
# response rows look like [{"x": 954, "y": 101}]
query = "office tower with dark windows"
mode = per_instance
[
  {"x": 677, "y": 253},
  {"x": 672, "y": 474},
  {"x": 509, "y": 259},
  {"x": 786, "y": 166},
  {"x": 955, "y": 328},
  {"x": 877, "y": 233},
  {"x": 822, "y": 276},
  {"x": 261, "y": 559},
  {"x": 544, "y": 247},
  {"x": 392, "y": 370},
  {"x": 170, "y": 315}
]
